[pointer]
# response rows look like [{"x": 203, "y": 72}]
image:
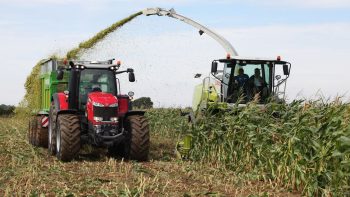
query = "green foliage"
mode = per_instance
[
  {"x": 167, "y": 121},
  {"x": 302, "y": 146},
  {"x": 73, "y": 54},
  {"x": 143, "y": 103},
  {"x": 6, "y": 110},
  {"x": 32, "y": 86}
]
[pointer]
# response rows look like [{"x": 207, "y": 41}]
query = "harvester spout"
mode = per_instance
[
  {"x": 158, "y": 11},
  {"x": 202, "y": 29}
]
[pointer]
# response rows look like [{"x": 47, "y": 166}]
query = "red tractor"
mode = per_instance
[{"x": 86, "y": 107}]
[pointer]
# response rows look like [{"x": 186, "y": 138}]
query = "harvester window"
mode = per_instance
[{"x": 259, "y": 81}]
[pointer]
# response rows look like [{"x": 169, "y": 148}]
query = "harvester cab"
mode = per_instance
[
  {"x": 241, "y": 80},
  {"x": 83, "y": 104}
]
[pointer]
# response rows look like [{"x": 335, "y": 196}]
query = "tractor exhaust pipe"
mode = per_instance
[{"x": 73, "y": 98}]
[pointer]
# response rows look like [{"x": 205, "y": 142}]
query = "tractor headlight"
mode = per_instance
[
  {"x": 97, "y": 104},
  {"x": 98, "y": 119},
  {"x": 114, "y": 119},
  {"x": 113, "y": 105}
]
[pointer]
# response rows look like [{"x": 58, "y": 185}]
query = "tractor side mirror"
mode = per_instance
[
  {"x": 131, "y": 77},
  {"x": 285, "y": 69},
  {"x": 60, "y": 74},
  {"x": 214, "y": 67}
]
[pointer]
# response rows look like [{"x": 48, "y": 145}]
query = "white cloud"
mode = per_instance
[
  {"x": 296, "y": 3},
  {"x": 293, "y": 3},
  {"x": 311, "y": 3}
]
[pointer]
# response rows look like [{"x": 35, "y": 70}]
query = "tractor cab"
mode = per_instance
[
  {"x": 95, "y": 84},
  {"x": 245, "y": 79}
]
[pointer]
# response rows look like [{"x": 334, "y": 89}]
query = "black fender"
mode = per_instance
[{"x": 67, "y": 111}]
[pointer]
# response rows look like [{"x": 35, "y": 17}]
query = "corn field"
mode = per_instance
[{"x": 303, "y": 145}]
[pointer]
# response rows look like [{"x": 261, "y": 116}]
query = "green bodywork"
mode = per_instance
[
  {"x": 206, "y": 95},
  {"x": 49, "y": 84}
]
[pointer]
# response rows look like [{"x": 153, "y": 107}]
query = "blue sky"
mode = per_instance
[{"x": 313, "y": 35}]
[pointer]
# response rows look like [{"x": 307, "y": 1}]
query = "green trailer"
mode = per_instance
[
  {"x": 38, "y": 123},
  {"x": 49, "y": 83}
]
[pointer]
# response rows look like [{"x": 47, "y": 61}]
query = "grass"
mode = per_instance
[{"x": 29, "y": 171}]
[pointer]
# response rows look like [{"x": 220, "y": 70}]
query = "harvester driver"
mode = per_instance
[
  {"x": 258, "y": 83},
  {"x": 241, "y": 78}
]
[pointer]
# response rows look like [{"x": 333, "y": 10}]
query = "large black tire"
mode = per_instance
[
  {"x": 31, "y": 128},
  {"x": 41, "y": 137},
  {"x": 67, "y": 137},
  {"x": 35, "y": 141},
  {"x": 138, "y": 142},
  {"x": 52, "y": 130}
]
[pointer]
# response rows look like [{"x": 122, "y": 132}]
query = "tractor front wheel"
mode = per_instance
[
  {"x": 139, "y": 138},
  {"x": 67, "y": 137}
]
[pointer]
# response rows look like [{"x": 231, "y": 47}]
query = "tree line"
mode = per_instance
[{"x": 6, "y": 110}]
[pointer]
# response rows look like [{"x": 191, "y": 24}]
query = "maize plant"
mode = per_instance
[{"x": 302, "y": 145}]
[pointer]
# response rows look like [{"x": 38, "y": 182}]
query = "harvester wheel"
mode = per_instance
[
  {"x": 52, "y": 131},
  {"x": 67, "y": 137},
  {"x": 139, "y": 139},
  {"x": 41, "y": 136}
]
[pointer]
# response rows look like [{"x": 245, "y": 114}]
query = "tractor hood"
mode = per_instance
[{"x": 102, "y": 98}]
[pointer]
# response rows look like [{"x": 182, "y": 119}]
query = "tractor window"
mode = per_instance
[{"x": 96, "y": 78}]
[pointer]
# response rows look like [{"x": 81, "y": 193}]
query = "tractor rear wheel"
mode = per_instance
[
  {"x": 67, "y": 137},
  {"x": 138, "y": 143},
  {"x": 41, "y": 136}
]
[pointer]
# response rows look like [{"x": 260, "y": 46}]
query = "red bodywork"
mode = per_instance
[
  {"x": 63, "y": 100},
  {"x": 123, "y": 101},
  {"x": 106, "y": 99}
]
